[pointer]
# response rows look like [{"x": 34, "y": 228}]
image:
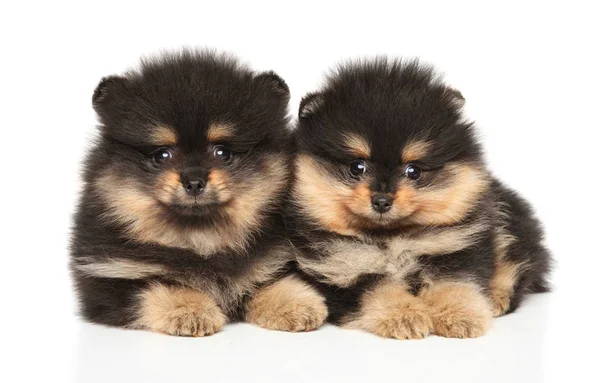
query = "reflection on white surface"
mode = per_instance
[{"x": 512, "y": 351}]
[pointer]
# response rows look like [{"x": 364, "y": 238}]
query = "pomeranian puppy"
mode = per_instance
[
  {"x": 179, "y": 226},
  {"x": 397, "y": 221}
]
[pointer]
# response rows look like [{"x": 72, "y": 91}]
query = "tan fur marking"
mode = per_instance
[
  {"x": 322, "y": 198},
  {"x": 344, "y": 261},
  {"x": 359, "y": 201},
  {"x": 390, "y": 311},
  {"x": 178, "y": 311},
  {"x": 502, "y": 286},
  {"x": 260, "y": 193},
  {"x": 287, "y": 305},
  {"x": 358, "y": 145},
  {"x": 220, "y": 181},
  {"x": 118, "y": 268},
  {"x": 502, "y": 241},
  {"x": 218, "y": 132},
  {"x": 346, "y": 210},
  {"x": 447, "y": 205},
  {"x": 458, "y": 309},
  {"x": 506, "y": 274},
  {"x": 163, "y": 135},
  {"x": 415, "y": 150},
  {"x": 167, "y": 185},
  {"x": 140, "y": 212},
  {"x": 437, "y": 241}
]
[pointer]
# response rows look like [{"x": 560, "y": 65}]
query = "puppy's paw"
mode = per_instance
[
  {"x": 392, "y": 312},
  {"x": 287, "y": 305},
  {"x": 461, "y": 324},
  {"x": 402, "y": 322},
  {"x": 191, "y": 321},
  {"x": 500, "y": 302},
  {"x": 179, "y": 311},
  {"x": 458, "y": 310}
]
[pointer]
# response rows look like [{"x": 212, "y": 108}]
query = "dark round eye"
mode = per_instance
[
  {"x": 162, "y": 155},
  {"x": 412, "y": 172},
  {"x": 358, "y": 167},
  {"x": 222, "y": 153}
]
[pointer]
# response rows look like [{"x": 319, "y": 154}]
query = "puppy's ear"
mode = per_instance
[
  {"x": 109, "y": 93},
  {"x": 275, "y": 83},
  {"x": 310, "y": 104},
  {"x": 454, "y": 97}
]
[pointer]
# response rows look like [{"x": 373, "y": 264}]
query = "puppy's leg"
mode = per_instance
[
  {"x": 522, "y": 262},
  {"x": 178, "y": 311},
  {"x": 502, "y": 286},
  {"x": 289, "y": 304},
  {"x": 391, "y": 311},
  {"x": 458, "y": 309}
]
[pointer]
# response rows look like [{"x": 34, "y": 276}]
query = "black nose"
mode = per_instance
[
  {"x": 193, "y": 187},
  {"x": 381, "y": 203}
]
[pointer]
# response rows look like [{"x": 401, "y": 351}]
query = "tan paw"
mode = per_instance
[
  {"x": 179, "y": 311},
  {"x": 191, "y": 321},
  {"x": 411, "y": 322},
  {"x": 458, "y": 309},
  {"x": 287, "y": 305},
  {"x": 500, "y": 302},
  {"x": 390, "y": 311},
  {"x": 461, "y": 324}
]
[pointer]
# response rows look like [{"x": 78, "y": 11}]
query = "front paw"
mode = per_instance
[
  {"x": 190, "y": 321},
  {"x": 461, "y": 324},
  {"x": 459, "y": 310},
  {"x": 287, "y": 305},
  {"x": 179, "y": 311},
  {"x": 411, "y": 322},
  {"x": 390, "y": 311}
]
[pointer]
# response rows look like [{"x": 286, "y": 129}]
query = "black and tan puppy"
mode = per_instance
[
  {"x": 178, "y": 229},
  {"x": 398, "y": 222}
]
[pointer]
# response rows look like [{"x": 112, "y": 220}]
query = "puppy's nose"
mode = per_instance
[
  {"x": 193, "y": 187},
  {"x": 381, "y": 203}
]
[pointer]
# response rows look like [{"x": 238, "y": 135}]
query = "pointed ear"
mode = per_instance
[
  {"x": 454, "y": 97},
  {"x": 275, "y": 83},
  {"x": 109, "y": 93},
  {"x": 310, "y": 104}
]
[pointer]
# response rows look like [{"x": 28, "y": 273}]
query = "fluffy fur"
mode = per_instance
[
  {"x": 179, "y": 224},
  {"x": 394, "y": 209}
]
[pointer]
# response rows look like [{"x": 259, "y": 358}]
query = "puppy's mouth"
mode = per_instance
[
  {"x": 375, "y": 219},
  {"x": 194, "y": 209},
  {"x": 382, "y": 219}
]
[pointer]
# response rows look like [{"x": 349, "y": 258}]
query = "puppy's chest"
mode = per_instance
[{"x": 342, "y": 262}]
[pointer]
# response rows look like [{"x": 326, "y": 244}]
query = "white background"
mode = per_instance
[{"x": 529, "y": 72}]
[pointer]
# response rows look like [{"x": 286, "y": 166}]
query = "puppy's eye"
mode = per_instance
[
  {"x": 358, "y": 167},
  {"x": 162, "y": 155},
  {"x": 412, "y": 172},
  {"x": 222, "y": 153}
]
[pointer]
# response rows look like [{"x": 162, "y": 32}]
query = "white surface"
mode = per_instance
[{"x": 529, "y": 72}]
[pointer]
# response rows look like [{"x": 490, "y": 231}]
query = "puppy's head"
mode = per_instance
[
  {"x": 191, "y": 140},
  {"x": 384, "y": 146}
]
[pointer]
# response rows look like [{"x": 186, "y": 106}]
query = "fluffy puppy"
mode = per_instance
[
  {"x": 179, "y": 226},
  {"x": 397, "y": 220}
]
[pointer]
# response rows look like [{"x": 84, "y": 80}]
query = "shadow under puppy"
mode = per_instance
[
  {"x": 179, "y": 226},
  {"x": 397, "y": 220}
]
